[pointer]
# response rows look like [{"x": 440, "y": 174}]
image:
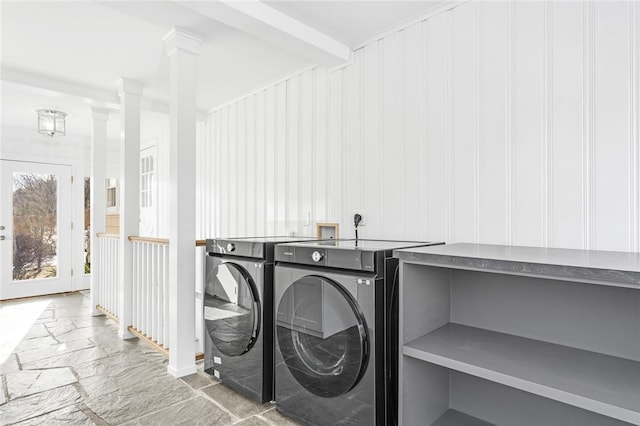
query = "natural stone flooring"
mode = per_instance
[{"x": 59, "y": 365}]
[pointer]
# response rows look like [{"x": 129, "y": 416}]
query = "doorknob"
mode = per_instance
[
  {"x": 2, "y": 238},
  {"x": 1, "y": 227}
]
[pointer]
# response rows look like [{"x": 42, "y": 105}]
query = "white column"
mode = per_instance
[
  {"x": 182, "y": 49},
  {"x": 98, "y": 198},
  {"x": 129, "y": 92}
]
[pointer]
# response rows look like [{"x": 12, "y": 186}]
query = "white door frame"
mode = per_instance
[{"x": 62, "y": 282}]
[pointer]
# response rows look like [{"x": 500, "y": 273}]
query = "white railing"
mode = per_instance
[
  {"x": 109, "y": 289},
  {"x": 151, "y": 289}
]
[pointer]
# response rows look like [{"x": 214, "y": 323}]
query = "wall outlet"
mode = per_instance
[{"x": 362, "y": 213}]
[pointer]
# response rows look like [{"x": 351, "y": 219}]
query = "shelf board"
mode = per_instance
[
  {"x": 456, "y": 418},
  {"x": 599, "y": 383}
]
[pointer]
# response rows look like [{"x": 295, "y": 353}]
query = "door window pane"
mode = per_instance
[
  {"x": 35, "y": 217},
  {"x": 322, "y": 337},
  {"x": 231, "y": 313},
  {"x": 146, "y": 181}
]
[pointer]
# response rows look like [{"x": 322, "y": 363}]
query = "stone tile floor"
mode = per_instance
[{"x": 59, "y": 365}]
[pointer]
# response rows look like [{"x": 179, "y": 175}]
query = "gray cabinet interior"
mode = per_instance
[{"x": 483, "y": 345}]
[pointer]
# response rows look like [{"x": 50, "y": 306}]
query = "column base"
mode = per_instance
[
  {"x": 125, "y": 334},
  {"x": 181, "y": 372},
  {"x": 95, "y": 312}
]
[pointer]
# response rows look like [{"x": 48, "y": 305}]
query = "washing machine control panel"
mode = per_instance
[
  {"x": 355, "y": 260},
  {"x": 231, "y": 247},
  {"x": 316, "y": 256},
  {"x": 302, "y": 255}
]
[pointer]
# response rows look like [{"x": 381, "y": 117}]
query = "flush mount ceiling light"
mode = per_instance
[{"x": 51, "y": 122}]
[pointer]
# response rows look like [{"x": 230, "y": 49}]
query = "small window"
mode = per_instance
[
  {"x": 146, "y": 181},
  {"x": 111, "y": 197}
]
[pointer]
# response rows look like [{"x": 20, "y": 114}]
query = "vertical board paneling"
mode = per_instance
[
  {"x": 490, "y": 122},
  {"x": 425, "y": 122},
  {"x": 292, "y": 167},
  {"x": 280, "y": 163},
  {"x": 212, "y": 196},
  {"x": 436, "y": 76},
  {"x": 352, "y": 159},
  {"x": 200, "y": 190},
  {"x": 207, "y": 216},
  {"x": 393, "y": 138},
  {"x": 260, "y": 180},
  {"x": 635, "y": 122},
  {"x": 464, "y": 113},
  {"x": 411, "y": 70},
  {"x": 217, "y": 198},
  {"x": 233, "y": 170},
  {"x": 242, "y": 170},
  {"x": 306, "y": 172},
  {"x": 528, "y": 123},
  {"x": 493, "y": 159},
  {"x": 335, "y": 158},
  {"x": 373, "y": 149},
  {"x": 224, "y": 166},
  {"x": 566, "y": 124},
  {"x": 270, "y": 161},
  {"x": 611, "y": 137},
  {"x": 320, "y": 147},
  {"x": 203, "y": 146},
  {"x": 251, "y": 212}
]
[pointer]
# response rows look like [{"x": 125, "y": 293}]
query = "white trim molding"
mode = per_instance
[{"x": 180, "y": 39}]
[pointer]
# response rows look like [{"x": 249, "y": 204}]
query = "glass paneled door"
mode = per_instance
[{"x": 35, "y": 229}]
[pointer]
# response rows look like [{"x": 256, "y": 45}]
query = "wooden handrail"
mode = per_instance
[
  {"x": 103, "y": 235},
  {"x": 161, "y": 241}
]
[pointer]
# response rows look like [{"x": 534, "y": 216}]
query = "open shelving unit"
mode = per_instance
[
  {"x": 508, "y": 335},
  {"x": 456, "y": 418}
]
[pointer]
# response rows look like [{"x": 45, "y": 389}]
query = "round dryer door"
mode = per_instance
[
  {"x": 322, "y": 336},
  {"x": 231, "y": 308}
]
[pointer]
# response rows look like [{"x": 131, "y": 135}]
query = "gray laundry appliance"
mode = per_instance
[
  {"x": 336, "y": 331},
  {"x": 238, "y": 313}
]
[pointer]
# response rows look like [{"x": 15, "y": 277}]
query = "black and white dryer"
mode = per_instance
[
  {"x": 238, "y": 313},
  {"x": 336, "y": 331}
]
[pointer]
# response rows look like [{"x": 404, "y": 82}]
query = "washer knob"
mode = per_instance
[
  {"x": 316, "y": 256},
  {"x": 231, "y": 247}
]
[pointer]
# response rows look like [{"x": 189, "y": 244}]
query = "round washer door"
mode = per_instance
[
  {"x": 231, "y": 308},
  {"x": 322, "y": 336}
]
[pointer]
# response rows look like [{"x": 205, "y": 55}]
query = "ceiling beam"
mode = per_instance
[
  {"x": 47, "y": 86},
  {"x": 93, "y": 96},
  {"x": 266, "y": 23}
]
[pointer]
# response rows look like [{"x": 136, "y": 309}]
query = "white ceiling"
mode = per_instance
[
  {"x": 353, "y": 22},
  {"x": 89, "y": 45}
]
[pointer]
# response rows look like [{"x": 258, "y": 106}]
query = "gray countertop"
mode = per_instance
[{"x": 600, "y": 267}]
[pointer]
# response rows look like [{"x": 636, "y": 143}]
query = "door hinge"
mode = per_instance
[
  {"x": 71, "y": 225},
  {"x": 71, "y": 179},
  {"x": 71, "y": 271}
]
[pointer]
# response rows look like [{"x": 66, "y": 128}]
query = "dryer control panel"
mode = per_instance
[{"x": 356, "y": 260}]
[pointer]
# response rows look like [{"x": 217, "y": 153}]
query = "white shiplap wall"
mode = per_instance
[{"x": 492, "y": 122}]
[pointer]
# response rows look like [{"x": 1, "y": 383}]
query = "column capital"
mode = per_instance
[
  {"x": 129, "y": 87},
  {"x": 181, "y": 39},
  {"x": 99, "y": 114}
]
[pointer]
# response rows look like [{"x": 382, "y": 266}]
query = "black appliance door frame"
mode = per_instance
[
  {"x": 327, "y": 366},
  {"x": 249, "y": 291}
]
